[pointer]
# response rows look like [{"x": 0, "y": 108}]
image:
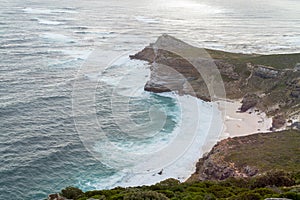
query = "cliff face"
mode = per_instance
[{"x": 269, "y": 82}]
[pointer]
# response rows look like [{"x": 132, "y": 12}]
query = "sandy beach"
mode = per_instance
[{"x": 237, "y": 123}]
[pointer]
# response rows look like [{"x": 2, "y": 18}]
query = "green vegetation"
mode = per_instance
[
  {"x": 278, "y": 89},
  {"x": 278, "y": 61},
  {"x": 272, "y": 184},
  {"x": 276, "y": 150}
]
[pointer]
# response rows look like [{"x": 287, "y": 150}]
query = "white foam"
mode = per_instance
[
  {"x": 192, "y": 6},
  {"x": 187, "y": 150},
  {"x": 48, "y": 22},
  {"x": 194, "y": 135},
  {"x": 56, "y": 37},
  {"x": 83, "y": 54},
  {"x": 147, "y": 20},
  {"x": 46, "y": 11},
  {"x": 126, "y": 76}
]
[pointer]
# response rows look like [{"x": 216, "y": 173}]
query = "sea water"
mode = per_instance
[{"x": 47, "y": 144}]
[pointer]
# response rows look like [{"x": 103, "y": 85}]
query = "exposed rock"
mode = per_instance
[
  {"x": 266, "y": 72},
  {"x": 249, "y": 101},
  {"x": 278, "y": 121},
  {"x": 297, "y": 67},
  {"x": 55, "y": 197},
  {"x": 214, "y": 167},
  {"x": 296, "y": 125},
  {"x": 171, "y": 72},
  {"x": 295, "y": 93},
  {"x": 227, "y": 69},
  {"x": 147, "y": 54}
]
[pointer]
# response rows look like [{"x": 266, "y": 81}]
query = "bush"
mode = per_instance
[
  {"x": 264, "y": 191},
  {"x": 100, "y": 197},
  {"x": 71, "y": 193},
  {"x": 248, "y": 196},
  {"x": 291, "y": 195},
  {"x": 277, "y": 178},
  {"x": 169, "y": 182},
  {"x": 145, "y": 195}
]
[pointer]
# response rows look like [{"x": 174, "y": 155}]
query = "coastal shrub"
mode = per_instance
[
  {"x": 168, "y": 193},
  {"x": 178, "y": 188},
  {"x": 277, "y": 178},
  {"x": 117, "y": 197},
  {"x": 209, "y": 197},
  {"x": 270, "y": 185},
  {"x": 200, "y": 184},
  {"x": 219, "y": 191},
  {"x": 264, "y": 191},
  {"x": 99, "y": 197},
  {"x": 250, "y": 195},
  {"x": 291, "y": 195},
  {"x": 236, "y": 182},
  {"x": 145, "y": 195},
  {"x": 169, "y": 182},
  {"x": 195, "y": 189},
  {"x": 296, "y": 177},
  {"x": 71, "y": 193}
]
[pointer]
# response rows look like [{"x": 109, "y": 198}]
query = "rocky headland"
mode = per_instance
[
  {"x": 270, "y": 83},
  {"x": 263, "y": 83}
]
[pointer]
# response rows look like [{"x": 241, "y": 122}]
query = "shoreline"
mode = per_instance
[
  {"x": 233, "y": 124},
  {"x": 238, "y": 123}
]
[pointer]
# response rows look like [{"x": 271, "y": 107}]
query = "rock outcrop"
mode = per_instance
[
  {"x": 55, "y": 197},
  {"x": 266, "y": 72},
  {"x": 249, "y": 101},
  {"x": 278, "y": 121},
  {"x": 250, "y": 76},
  {"x": 249, "y": 156},
  {"x": 213, "y": 166}
]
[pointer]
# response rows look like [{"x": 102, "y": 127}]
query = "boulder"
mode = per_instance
[
  {"x": 266, "y": 72},
  {"x": 249, "y": 101},
  {"x": 278, "y": 121},
  {"x": 55, "y": 197}
]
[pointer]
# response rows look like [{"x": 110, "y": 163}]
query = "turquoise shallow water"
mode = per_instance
[{"x": 44, "y": 44}]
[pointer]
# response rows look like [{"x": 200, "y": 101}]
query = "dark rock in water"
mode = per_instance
[
  {"x": 249, "y": 101},
  {"x": 278, "y": 121}
]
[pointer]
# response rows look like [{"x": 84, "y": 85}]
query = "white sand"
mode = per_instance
[{"x": 241, "y": 124}]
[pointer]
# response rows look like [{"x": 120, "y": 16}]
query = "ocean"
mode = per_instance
[{"x": 72, "y": 107}]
